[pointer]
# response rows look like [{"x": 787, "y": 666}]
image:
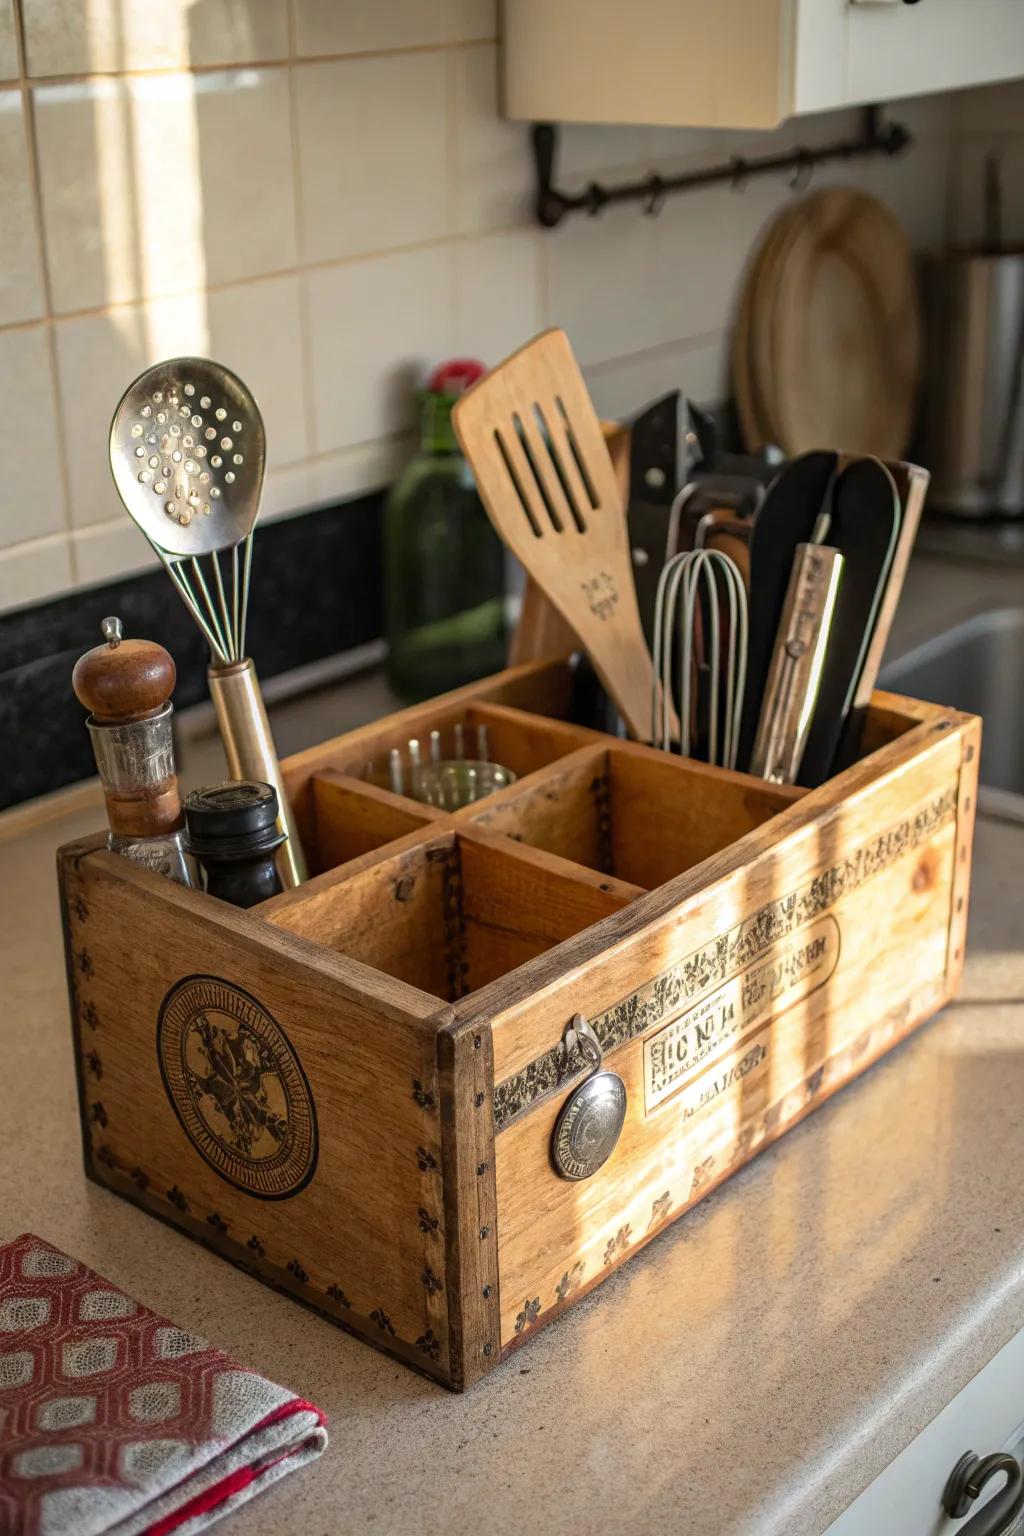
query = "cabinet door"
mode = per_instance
[
  {"x": 699, "y": 63},
  {"x": 745, "y": 63},
  {"x": 985, "y": 1416},
  {"x": 897, "y": 50}
]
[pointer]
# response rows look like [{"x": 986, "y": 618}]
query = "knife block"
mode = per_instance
[{"x": 351, "y": 1089}]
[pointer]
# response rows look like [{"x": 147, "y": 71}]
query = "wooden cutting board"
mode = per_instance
[
  {"x": 751, "y": 355},
  {"x": 830, "y": 328}
]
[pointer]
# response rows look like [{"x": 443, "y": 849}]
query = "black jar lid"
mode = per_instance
[{"x": 238, "y": 816}]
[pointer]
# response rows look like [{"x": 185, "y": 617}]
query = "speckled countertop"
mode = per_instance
[{"x": 749, "y": 1372}]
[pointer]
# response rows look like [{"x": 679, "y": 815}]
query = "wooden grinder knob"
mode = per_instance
[
  {"x": 126, "y": 686},
  {"x": 123, "y": 680}
]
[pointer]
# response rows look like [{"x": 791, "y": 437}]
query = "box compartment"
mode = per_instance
[
  {"x": 450, "y": 914},
  {"x": 634, "y": 813}
]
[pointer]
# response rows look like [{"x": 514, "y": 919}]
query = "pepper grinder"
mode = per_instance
[{"x": 126, "y": 685}]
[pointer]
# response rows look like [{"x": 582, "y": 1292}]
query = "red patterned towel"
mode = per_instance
[{"x": 112, "y": 1420}]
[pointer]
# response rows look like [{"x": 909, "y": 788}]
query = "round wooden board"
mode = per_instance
[
  {"x": 783, "y": 233},
  {"x": 843, "y": 329},
  {"x": 744, "y": 382},
  {"x": 752, "y": 347}
]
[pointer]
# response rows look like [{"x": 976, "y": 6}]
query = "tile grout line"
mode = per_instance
[
  {"x": 267, "y": 277},
  {"x": 389, "y": 441},
  {"x": 450, "y": 142},
  {"x": 31, "y": 148},
  {"x": 325, "y": 264},
  {"x": 228, "y": 66},
  {"x": 299, "y": 215},
  {"x": 690, "y": 343}
]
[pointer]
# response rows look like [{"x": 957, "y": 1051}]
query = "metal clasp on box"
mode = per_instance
[{"x": 590, "y": 1121}]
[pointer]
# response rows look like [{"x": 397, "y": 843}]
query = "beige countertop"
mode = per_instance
[{"x": 749, "y": 1372}]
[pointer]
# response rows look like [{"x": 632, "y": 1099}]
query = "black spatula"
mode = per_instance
[
  {"x": 785, "y": 519},
  {"x": 864, "y": 528}
]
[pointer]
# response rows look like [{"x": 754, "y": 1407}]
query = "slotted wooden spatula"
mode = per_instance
[{"x": 533, "y": 441}]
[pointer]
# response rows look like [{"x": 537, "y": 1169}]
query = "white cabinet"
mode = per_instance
[
  {"x": 988, "y": 1415},
  {"x": 745, "y": 63}
]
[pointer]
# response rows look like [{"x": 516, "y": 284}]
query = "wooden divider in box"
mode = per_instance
[
  {"x": 633, "y": 812},
  {"x": 523, "y": 709},
  {"x": 350, "y": 815},
  {"x": 451, "y": 912},
  {"x": 351, "y": 1089}
]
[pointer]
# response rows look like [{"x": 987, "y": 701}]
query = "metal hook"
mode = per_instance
[
  {"x": 804, "y": 170},
  {"x": 655, "y": 199},
  {"x": 579, "y": 1034},
  {"x": 596, "y": 198}
]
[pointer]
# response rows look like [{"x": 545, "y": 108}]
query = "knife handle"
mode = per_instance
[{"x": 797, "y": 663}]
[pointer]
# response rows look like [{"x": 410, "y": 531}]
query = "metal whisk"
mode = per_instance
[
  {"x": 187, "y": 452},
  {"x": 679, "y": 587}
]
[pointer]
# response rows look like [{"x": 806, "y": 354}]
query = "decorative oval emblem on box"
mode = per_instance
[
  {"x": 237, "y": 1086},
  {"x": 589, "y": 1125}
]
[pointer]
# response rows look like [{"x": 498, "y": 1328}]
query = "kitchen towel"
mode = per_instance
[{"x": 113, "y": 1422}]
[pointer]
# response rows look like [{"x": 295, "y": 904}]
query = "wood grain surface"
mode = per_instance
[
  {"x": 834, "y": 328},
  {"x": 742, "y": 950},
  {"x": 531, "y": 436}
]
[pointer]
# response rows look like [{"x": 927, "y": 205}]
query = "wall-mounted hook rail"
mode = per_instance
[{"x": 553, "y": 205}]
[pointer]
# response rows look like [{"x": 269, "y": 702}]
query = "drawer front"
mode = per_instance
[{"x": 987, "y": 1415}]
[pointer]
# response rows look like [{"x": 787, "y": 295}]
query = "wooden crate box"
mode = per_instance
[{"x": 351, "y": 1089}]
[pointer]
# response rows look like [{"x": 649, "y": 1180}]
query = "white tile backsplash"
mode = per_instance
[
  {"x": 357, "y": 470},
  {"x": 21, "y": 276},
  {"x": 32, "y": 502},
  {"x": 324, "y": 193},
  {"x": 77, "y": 37},
  {"x": 8, "y": 43},
  {"x": 377, "y": 327},
  {"x": 372, "y": 147},
  {"x": 108, "y": 551},
  {"x": 492, "y": 162},
  {"x": 646, "y": 282},
  {"x": 497, "y": 294},
  {"x": 246, "y": 166},
  {"x": 699, "y": 369},
  {"x": 134, "y": 209},
  {"x": 254, "y": 328},
  {"x": 364, "y": 26},
  {"x": 34, "y": 570}
]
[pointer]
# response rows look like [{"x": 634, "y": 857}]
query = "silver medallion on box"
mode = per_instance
[{"x": 590, "y": 1121}]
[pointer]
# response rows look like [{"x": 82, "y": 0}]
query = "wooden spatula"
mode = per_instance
[{"x": 533, "y": 441}]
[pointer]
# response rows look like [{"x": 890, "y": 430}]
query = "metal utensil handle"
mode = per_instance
[
  {"x": 249, "y": 748},
  {"x": 797, "y": 662}
]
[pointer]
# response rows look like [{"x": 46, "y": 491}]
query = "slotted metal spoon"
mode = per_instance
[{"x": 187, "y": 452}]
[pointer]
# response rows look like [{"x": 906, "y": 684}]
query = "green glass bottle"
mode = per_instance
[{"x": 444, "y": 564}]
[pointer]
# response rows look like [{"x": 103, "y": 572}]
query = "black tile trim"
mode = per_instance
[{"x": 317, "y": 590}]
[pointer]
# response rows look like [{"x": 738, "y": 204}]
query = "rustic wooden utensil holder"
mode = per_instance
[{"x": 350, "y": 1090}]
